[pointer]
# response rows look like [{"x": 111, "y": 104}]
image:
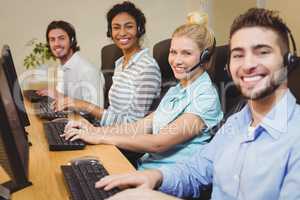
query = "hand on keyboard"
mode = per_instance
[
  {"x": 73, "y": 134},
  {"x": 46, "y": 92},
  {"x": 50, "y": 92},
  {"x": 53, "y": 130},
  {"x": 142, "y": 179},
  {"x": 82, "y": 130},
  {"x": 79, "y": 124},
  {"x": 63, "y": 103},
  {"x": 81, "y": 176}
]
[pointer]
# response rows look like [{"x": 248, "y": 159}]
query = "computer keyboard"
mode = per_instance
[
  {"x": 45, "y": 111},
  {"x": 33, "y": 97},
  {"x": 53, "y": 130},
  {"x": 81, "y": 176}
]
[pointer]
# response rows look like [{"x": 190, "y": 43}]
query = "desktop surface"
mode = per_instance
[{"x": 44, "y": 165}]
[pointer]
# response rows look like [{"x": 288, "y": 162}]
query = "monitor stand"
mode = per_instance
[
  {"x": 29, "y": 143},
  {"x": 4, "y": 193}
]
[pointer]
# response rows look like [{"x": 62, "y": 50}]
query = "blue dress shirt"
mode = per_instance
[{"x": 264, "y": 165}]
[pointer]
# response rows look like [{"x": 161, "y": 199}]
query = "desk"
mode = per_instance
[{"x": 44, "y": 165}]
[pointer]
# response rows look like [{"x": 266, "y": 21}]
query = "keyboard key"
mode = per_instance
[{"x": 45, "y": 111}]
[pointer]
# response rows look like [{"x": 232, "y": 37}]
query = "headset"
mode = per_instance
[
  {"x": 290, "y": 59},
  {"x": 73, "y": 42},
  {"x": 140, "y": 30},
  {"x": 204, "y": 56}
]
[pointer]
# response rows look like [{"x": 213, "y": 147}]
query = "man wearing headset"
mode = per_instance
[
  {"x": 77, "y": 78},
  {"x": 256, "y": 153}
]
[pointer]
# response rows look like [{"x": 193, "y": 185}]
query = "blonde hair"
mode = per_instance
[{"x": 196, "y": 28}]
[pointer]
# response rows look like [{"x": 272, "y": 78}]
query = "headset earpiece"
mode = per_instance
[
  {"x": 290, "y": 60},
  {"x": 228, "y": 63},
  {"x": 207, "y": 53},
  {"x": 72, "y": 42},
  {"x": 140, "y": 30},
  {"x": 108, "y": 33},
  {"x": 204, "y": 56}
]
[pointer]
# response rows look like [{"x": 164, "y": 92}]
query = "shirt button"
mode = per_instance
[{"x": 236, "y": 177}]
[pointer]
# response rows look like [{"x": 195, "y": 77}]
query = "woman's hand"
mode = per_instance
[
  {"x": 79, "y": 124},
  {"x": 82, "y": 130}
]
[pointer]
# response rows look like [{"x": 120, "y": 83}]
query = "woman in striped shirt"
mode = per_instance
[{"x": 137, "y": 78}]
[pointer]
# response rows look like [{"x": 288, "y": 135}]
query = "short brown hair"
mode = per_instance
[{"x": 262, "y": 18}]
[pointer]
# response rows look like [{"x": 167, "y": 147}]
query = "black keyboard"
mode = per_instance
[
  {"x": 44, "y": 111},
  {"x": 32, "y": 96},
  {"x": 53, "y": 130},
  {"x": 81, "y": 176}
]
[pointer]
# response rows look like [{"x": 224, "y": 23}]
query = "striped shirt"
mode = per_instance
[{"x": 133, "y": 89}]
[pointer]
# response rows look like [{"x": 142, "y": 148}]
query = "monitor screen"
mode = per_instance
[
  {"x": 14, "y": 86},
  {"x": 14, "y": 148}
]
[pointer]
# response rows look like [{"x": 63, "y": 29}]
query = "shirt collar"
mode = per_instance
[
  {"x": 201, "y": 81},
  {"x": 71, "y": 62},
  {"x": 275, "y": 122},
  {"x": 134, "y": 59}
]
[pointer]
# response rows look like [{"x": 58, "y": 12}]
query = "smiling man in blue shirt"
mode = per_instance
[{"x": 256, "y": 154}]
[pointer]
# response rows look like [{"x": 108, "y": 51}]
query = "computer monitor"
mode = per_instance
[
  {"x": 14, "y": 147},
  {"x": 14, "y": 86}
]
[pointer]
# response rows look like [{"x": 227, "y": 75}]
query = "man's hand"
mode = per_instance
[
  {"x": 50, "y": 92},
  {"x": 146, "y": 179},
  {"x": 63, "y": 103},
  {"x": 138, "y": 194}
]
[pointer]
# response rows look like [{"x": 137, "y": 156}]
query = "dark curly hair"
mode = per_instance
[
  {"x": 132, "y": 10},
  {"x": 263, "y": 18},
  {"x": 68, "y": 28}
]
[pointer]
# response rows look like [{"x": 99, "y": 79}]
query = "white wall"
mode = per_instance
[
  {"x": 22, "y": 20},
  {"x": 223, "y": 14},
  {"x": 288, "y": 10}
]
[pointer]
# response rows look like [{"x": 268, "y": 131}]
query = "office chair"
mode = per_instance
[
  {"x": 229, "y": 94},
  {"x": 230, "y": 98},
  {"x": 293, "y": 83},
  {"x": 109, "y": 54},
  {"x": 161, "y": 54}
]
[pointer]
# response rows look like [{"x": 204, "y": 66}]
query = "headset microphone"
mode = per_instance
[
  {"x": 204, "y": 57},
  {"x": 199, "y": 64}
]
